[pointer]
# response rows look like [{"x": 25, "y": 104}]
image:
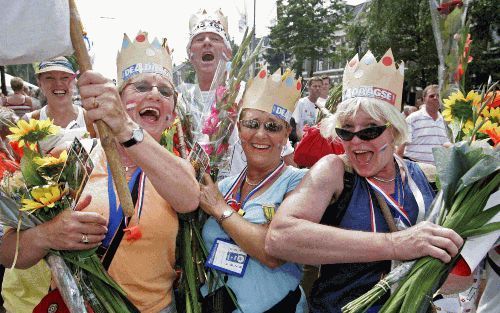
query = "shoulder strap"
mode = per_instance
[
  {"x": 109, "y": 253},
  {"x": 335, "y": 211}
]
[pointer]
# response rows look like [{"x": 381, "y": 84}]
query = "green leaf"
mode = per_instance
[
  {"x": 485, "y": 229},
  {"x": 487, "y": 165},
  {"x": 29, "y": 169},
  {"x": 481, "y": 219}
]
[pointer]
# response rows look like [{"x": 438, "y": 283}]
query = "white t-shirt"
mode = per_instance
[
  {"x": 425, "y": 133},
  {"x": 305, "y": 114}
]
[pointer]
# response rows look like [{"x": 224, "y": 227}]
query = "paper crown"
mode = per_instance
[
  {"x": 276, "y": 94},
  {"x": 202, "y": 22},
  {"x": 141, "y": 56},
  {"x": 367, "y": 78}
]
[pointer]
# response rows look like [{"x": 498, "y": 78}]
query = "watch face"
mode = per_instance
[{"x": 138, "y": 134}]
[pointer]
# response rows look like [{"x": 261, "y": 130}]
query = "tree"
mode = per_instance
[
  {"x": 305, "y": 29},
  {"x": 485, "y": 50},
  {"x": 405, "y": 26}
]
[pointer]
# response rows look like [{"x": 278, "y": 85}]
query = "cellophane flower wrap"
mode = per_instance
[
  {"x": 44, "y": 187},
  {"x": 451, "y": 34},
  {"x": 210, "y": 121}
]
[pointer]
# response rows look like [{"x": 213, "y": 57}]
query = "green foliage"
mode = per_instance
[
  {"x": 305, "y": 29},
  {"x": 483, "y": 15},
  {"x": 405, "y": 26}
]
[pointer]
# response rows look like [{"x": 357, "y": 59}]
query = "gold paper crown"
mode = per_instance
[
  {"x": 276, "y": 94},
  {"x": 367, "y": 78},
  {"x": 202, "y": 22},
  {"x": 141, "y": 56}
]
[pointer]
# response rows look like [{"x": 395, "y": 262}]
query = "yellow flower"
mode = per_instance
[
  {"x": 28, "y": 133},
  {"x": 45, "y": 196},
  {"x": 50, "y": 160},
  {"x": 492, "y": 114},
  {"x": 458, "y": 107}
]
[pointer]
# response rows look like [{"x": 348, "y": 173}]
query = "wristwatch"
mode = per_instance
[
  {"x": 226, "y": 214},
  {"x": 137, "y": 137}
]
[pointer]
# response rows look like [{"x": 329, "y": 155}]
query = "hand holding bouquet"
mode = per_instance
[{"x": 48, "y": 188}]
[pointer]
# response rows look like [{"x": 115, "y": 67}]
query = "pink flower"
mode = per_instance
[
  {"x": 211, "y": 123},
  {"x": 208, "y": 148},
  {"x": 222, "y": 148},
  {"x": 219, "y": 93}
]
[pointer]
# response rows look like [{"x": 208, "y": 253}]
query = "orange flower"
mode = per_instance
[
  {"x": 495, "y": 102},
  {"x": 494, "y": 135}
]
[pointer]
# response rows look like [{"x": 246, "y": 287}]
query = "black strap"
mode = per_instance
[
  {"x": 493, "y": 265},
  {"x": 107, "y": 254},
  {"x": 288, "y": 303},
  {"x": 335, "y": 212}
]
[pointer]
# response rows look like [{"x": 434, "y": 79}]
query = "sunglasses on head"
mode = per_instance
[
  {"x": 369, "y": 133},
  {"x": 271, "y": 126},
  {"x": 142, "y": 86}
]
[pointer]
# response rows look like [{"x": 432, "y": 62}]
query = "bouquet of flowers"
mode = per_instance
[
  {"x": 45, "y": 187},
  {"x": 452, "y": 37},
  {"x": 468, "y": 175},
  {"x": 465, "y": 114}
]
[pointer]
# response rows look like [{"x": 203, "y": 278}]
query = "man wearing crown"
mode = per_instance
[{"x": 209, "y": 46}]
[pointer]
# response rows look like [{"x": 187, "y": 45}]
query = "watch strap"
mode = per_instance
[{"x": 225, "y": 215}]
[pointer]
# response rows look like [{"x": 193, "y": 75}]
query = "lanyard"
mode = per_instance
[
  {"x": 116, "y": 213},
  {"x": 234, "y": 202},
  {"x": 393, "y": 203}
]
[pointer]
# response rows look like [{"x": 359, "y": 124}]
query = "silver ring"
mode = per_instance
[{"x": 85, "y": 238}]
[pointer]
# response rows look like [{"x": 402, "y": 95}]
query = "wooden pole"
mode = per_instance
[{"x": 107, "y": 139}]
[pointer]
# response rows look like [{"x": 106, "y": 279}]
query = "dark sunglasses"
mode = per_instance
[
  {"x": 271, "y": 127},
  {"x": 369, "y": 133},
  {"x": 143, "y": 86}
]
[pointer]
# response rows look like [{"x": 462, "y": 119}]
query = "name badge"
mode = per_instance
[{"x": 227, "y": 257}]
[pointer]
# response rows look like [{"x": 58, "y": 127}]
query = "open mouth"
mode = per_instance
[
  {"x": 150, "y": 114},
  {"x": 59, "y": 92},
  {"x": 207, "y": 57},
  {"x": 363, "y": 156},
  {"x": 260, "y": 147}
]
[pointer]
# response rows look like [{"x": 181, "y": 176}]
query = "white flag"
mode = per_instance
[{"x": 34, "y": 31}]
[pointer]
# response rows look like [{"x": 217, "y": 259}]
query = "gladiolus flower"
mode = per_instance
[
  {"x": 446, "y": 7},
  {"x": 222, "y": 148},
  {"x": 208, "y": 148}
]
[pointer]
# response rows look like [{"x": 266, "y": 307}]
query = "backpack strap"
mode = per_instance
[{"x": 335, "y": 211}]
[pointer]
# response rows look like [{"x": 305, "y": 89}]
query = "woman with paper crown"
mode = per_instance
[
  {"x": 139, "y": 251},
  {"x": 334, "y": 217},
  {"x": 241, "y": 206}
]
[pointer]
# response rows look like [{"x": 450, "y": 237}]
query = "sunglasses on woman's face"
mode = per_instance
[
  {"x": 271, "y": 127},
  {"x": 369, "y": 133},
  {"x": 142, "y": 86}
]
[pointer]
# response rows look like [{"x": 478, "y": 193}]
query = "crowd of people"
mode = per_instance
[{"x": 327, "y": 215}]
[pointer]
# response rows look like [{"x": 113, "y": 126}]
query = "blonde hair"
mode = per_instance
[{"x": 378, "y": 110}]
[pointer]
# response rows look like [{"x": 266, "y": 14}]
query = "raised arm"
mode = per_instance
[{"x": 172, "y": 177}]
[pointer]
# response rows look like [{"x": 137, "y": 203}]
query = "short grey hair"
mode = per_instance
[{"x": 378, "y": 110}]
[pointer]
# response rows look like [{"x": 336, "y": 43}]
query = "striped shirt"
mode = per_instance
[{"x": 425, "y": 133}]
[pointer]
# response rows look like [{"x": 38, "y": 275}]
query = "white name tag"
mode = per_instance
[{"x": 227, "y": 257}]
